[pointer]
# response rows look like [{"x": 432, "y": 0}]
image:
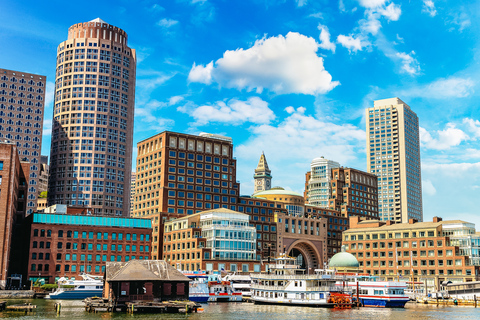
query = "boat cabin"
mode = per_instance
[{"x": 144, "y": 280}]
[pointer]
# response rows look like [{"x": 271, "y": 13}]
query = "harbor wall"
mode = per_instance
[{"x": 17, "y": 294}]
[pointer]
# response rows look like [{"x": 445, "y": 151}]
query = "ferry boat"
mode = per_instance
[
  {"x": 240, "y": 282},
  {"x": 89, "y": 286},
  {"x": 380, "y": 294},
  {"x": 286, "y": 283},
  {"x": 211, "y": 288}
]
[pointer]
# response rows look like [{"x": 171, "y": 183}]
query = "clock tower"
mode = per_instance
[{"x": 262, "y": 176}]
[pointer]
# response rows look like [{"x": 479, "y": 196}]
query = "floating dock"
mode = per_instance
[
  {"x": 27, "y": 307},
  {"x": 104, "y": 305}
]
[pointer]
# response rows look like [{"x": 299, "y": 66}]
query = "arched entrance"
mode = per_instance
[{"x": 306, "y": 254}]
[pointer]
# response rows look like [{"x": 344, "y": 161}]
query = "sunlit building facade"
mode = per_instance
[
  {"x": 393, "y": 154},
  {"x": 92, "y": 131}
]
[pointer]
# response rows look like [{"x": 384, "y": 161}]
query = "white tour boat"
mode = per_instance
[
  {"x": 380, "y": 294},
  {"x": 286, "y": 283}
]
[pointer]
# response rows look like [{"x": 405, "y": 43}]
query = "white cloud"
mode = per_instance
[
  {"x": 280, "y": 64},
  {"x": 447, "y": 138},
  {"x": 453, "y": 87},
  {"x": 234, "y": 112},
  {"x": 351, "y": 43},
  {"x": 200, "y": 73},
  {"x": 47, "y": 127},
  {"x": 294, "y": 142},
  {"x": 372, "y": 3},
  {"x": 49, "y": 94},
  {"x": 453, "y": 169},
  {"x": 174, "y": 100},
  {"x": 460, "y": 19},
  {"x": 410, "y": 65},
  {"x": 392, "y": 12},
  {"x": 325, "y": 39},
  {"x": 371, "y": 25},
  {"x": 428, "y": 188},
  {"x": 473, "y": 126},
  {"x": 429, "y": 7},
  {"x": 301, "y": 3},
  {"x": 167, "y": 23}
]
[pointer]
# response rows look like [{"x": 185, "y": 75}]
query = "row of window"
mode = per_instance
[{"x": 91, "y": 234}]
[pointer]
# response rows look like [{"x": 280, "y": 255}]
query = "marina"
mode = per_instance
[{"x": 73, "y": 309}]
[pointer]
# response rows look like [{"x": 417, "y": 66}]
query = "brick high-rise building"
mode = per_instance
[
  {"x": 13, "y": 197},
  {"x": 354, "y": 193},
  {"x": 22, "y": 102},
  {"x": 92, "y": 132},
  {"x": 393, "y": 154}
]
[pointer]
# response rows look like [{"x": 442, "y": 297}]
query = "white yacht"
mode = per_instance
[
  {"x": 89, "y": 286},
  {"x": 286, "y": 283}
]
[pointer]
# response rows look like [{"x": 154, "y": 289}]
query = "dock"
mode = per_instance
[
  {"x": 27, "y": 307},
  {"x": 104, "y": 305}
]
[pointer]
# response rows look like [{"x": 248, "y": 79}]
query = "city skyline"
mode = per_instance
[{"x": 364, "y": 51}]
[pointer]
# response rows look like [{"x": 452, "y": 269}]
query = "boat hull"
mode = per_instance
[
  {"x": 75, "y": 295},
  {"x": 317, "y": 304},
  {"x": 383, "y": 303}
]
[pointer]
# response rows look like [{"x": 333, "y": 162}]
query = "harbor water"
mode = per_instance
[{"x": 238, "y": 311}]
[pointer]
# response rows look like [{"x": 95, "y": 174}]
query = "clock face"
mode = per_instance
[
  {"x": 259, "y": 182},
  {"x": 268, "y": 183}
]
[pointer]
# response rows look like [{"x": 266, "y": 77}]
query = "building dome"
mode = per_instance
[
  {"x": 343, "y": 260},
  {"x": 277, "y": 191}
]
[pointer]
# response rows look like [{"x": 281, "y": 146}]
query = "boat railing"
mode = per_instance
[
  {"x": 273, "y": 276},
  {"x": 307, "y": 289}
]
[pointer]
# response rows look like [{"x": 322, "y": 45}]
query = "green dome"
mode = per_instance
[{"x": 344, "y": 260}]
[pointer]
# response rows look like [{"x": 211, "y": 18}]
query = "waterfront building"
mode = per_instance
[
  {"x": 418, "y": 251},
  {"x": 180, "y": 174},
  {"x": 354, "y": 193},
  {"x": 137, "y": 280},
  {"x": 212, "y": 240},
  {"x": 67, "y": 241},
  {"x": 313, "y": 232},
  {"x": 22, "y": 104},
  {"x": 317, "y": 184},
  {"x": 262, "y": 176},
  {"x": 13, "y": 196},
  {"x": 92, "y": 130},
  {"x": 43, "y": 176},
  {"x": 393, "y": 154}
]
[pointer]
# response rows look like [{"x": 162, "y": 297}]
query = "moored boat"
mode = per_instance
[
  {"x": 240, "y": 282},
  {"x": 380, "y": 294},
  {"x": 211, "y": 288},
  {"x": 89, "y": 286},
  {"x": 286, "y": 283}
]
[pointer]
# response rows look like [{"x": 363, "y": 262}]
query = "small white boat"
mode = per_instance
[
  {"x": 211, "y": 288},
  {"x": 89, "y": 286},
  {"x": 240, "y": 282}
]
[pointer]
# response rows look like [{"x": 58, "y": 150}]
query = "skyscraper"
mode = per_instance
[
  {"x": 22, "y": 101},
  {"x": 91, "y": 151},
  {"x": 317, "y": 186},
  {"x": 393, "y": 154},
  {"x": 263, "y": 175}
]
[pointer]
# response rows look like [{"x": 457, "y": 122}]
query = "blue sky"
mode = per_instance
[{"x": 290, "y": 78}]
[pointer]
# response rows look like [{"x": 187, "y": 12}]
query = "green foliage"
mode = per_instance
[
  {"x": 43, "y": 194},
  {"x": 49, "y": 286}
]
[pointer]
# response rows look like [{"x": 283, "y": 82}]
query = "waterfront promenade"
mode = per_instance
[{"x": 226, "y": 311}]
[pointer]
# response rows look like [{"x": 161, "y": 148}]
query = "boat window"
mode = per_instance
[{"x": 81, "y": 287}]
